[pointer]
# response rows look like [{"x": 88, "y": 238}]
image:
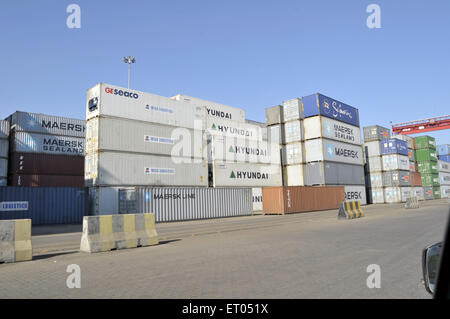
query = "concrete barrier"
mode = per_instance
[
  {"x": 412, "y": 203},
  {"x": 110, "y": 232},
  {"x": 350, "y": 210},
  {"x": 15, "y": 240}
]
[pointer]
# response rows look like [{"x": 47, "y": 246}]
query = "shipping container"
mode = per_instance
[
  {"x": 394, "y": 162},
  {"x": 408, "y": 139},
  {"x": 320, "y": 126},
  {"x": 444, "y": 158},
  {"x": 416, "y": 179},
  {"x": 443, "y": 149},
  {"x": 292, "y": 110},
  {"x": 185, "y": 203},
  {"x": 23, "y": 142},
  {"x": 108, "y": 100},
  {"x": 126, "y": 169},
  {"x": 4, "y": 148},
  {"x": 406, "y": 192},
  {"x": 443, "y": 166},
  {"x": 392, "y": 195},
  {"x": 425, "y": 142},
  {"x": 330, "y": 173},
  {"x": 444, "y": 178},
  {"x": 4, "y": 129},
  {"x": 293, "y": 132},
  {"x": 327, "y": 150},
  {"x": 396, "y": 178},
  {"x": 376, "y": 133},
  {"x": 437, "y": 192},
  {"x": 426, "y": 155},
  {"x": 374, "y": 180},
  {"x": 428, "y": 192},
  {"x": 374, "y": 164},
  {"x": 428, "y": 167},
  {"x": 293, "y": 153},
  {"x": 104, "y": 200},
  {"x": 419, "y": 193},
  {"x": 234, "y": 129},
  {"x": 275, "y": 134},
  {"x": 231, "y": 149},
  {"x": 318, "y": 104},
  {"x": 375, "y": 195},
  {"x": 44, "y": 205},
  {"x": 372, "y": 149},
  {"x": 297, "y": 199},
  {"x": 3, "y": 167},
  {"x": 33, "y": 180},
  {"x": 445, "y": 191},
  {"x": 47, "y": 124},
  {"x": 46, "y": 164},
  {"x": 355, "y": 193},
  {"x": 293, "y": 175},
  {"x": 3, "y": 181},
  {"x": 394, "y": 146},
  {"x": 274, "y": 115},
  {"x": 214, "y": 110},
  {"x": 412, "y": 166},
  {"x": 244, "y": 174},
  {"x": 257, "y": 199},
  {"x": 114, "y": 134},
  {"x": 411, "y": 155},
  {"x": 430, "y": 179}
]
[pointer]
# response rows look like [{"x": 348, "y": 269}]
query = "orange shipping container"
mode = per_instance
[
  {"x": 416, "y": 179},
  {"x": 297, "y": 199}
]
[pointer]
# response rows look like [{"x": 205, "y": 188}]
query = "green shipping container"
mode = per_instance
[
  {"x": 425, "y": 141},
  {"x": 428, "y": 167},
  {"x": 437, "y": 192},
  {"x": 426, "y": 155},
  {"x": 430, "y": 180}
]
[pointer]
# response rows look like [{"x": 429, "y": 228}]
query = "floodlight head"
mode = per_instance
[
  {"x": 133, "y": 59},
  {"x": 125, "y": 59}
]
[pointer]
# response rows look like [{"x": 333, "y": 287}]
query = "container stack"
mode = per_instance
[
  {"x": 444, "y": 169},
  {"x": 425, "y": 154},
  {"x": 4, "y": 149},
  {"x": 373, "y": 138},
  {"x": 333, "y": 150},
  {"x": 46, "y": 150},
  {"x": 140, "y": 139}
]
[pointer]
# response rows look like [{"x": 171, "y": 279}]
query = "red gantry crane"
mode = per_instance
[{"x": 425, "y": 125}]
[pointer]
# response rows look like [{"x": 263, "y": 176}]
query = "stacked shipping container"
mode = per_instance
[
  {"x": 4, "y": 149},
  {"x": 46, "y": 150},
  {"x": 426, "y": 158}
]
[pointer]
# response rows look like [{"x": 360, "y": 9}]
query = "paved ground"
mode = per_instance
[{"x": 311, "y": 255}]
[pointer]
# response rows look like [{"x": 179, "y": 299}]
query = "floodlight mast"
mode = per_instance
[{"x": 129, "y": 60}]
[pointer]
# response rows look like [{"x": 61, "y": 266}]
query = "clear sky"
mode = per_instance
[{"x": 249, "y": 54}]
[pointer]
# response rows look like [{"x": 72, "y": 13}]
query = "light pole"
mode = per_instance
[{"x": 129, "y": 60}]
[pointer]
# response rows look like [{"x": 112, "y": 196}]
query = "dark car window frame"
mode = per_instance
[{"x": 443, "y": 280}]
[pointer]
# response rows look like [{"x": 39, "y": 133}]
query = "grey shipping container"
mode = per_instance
[
  {"x": 44, "y": 205},
  {"x": 3, "y": 181},
  {"x": 47, "y": 144},
  {"x": 428, "y": 192},
  {"x": 274, "y": 115},
  {"x": 47, "y": 124},
  {"x": 186, "y": 203},
  {"x": 4, "y": 148},
  {"x": 376, "y": 133},
  {"x": 3, "y": 167},
  {"x": 396, "y": 178},
  {"x": 331, "y": 173},
  {"x": 4, "y": 129},
  {"x": 275, "y": 134}
]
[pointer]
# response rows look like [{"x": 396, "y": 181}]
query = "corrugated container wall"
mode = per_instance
[
  {"x": 274, "y": 115},
  {"x": 329, "y": 150},
  {"x": 443, "y": 149},
  {"x": 4, "y": 129},
  {"x": 46, "y": 164},
  {"x": 45, "y": 205},
  {"x": 330, "y": 173},
  {"x": 45, "y": 180},
  {"x": 47, "y": 144},
  {"x": 320, "y": 126},
  {"x": 376, "y": 133},
  {"x": 234, "y": 129},
  {"x": 176, "y": 204}
]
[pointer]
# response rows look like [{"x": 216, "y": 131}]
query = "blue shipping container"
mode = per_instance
[
  {"x": 445, "y": 158},
  {"x": 44, "y": 205},
  {"x": 443, "y": 149},
  {"x": 318, "y": 104},
  {"x": 394, "y": 146}
]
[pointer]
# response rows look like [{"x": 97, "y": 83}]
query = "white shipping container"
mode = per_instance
[
  {"x": 4, "y": 129},
  {"x": 395, "y": 162},
  {"x": 214, "y": 110},
  {"x": 374, "y": 164},
  {"x": 127, "y": 169},
  {"x": 275, "y": 134},
  {"x": 109, "y": 100},
  {"x": 406, "y": 192},
  {"x": 230, "y": 149},
  {"x": 328, "y": 150},
  {"x": 372, "y": 149},
  {"x": 3, "y": 167},
  {"x": 444, "y": 178},
  {"x": 47, "y": 144},
  {"x": 293, "y": 175},
  {"x": 292, "y": 109},
  {"x": 4, "y": 147},
  {"x": 321, "y": 126},
  {"x": 115, "y": 134},
  {"x": 419, "y": 193},
  {"x": 445, "y": 191},
  {"x": 234, "y": 129},
  {"x": 355, "y": 193},
  {"x": 245, "y": 174},
  {"x": 444, "y": 166},
  {"x": 376, "y": 195},
  {"x": 47, "y": 124},
  {"x": 257, "y": 199},
  {"x": 293, "y": 132},
  {"x": 375, "y": 180},
  {"x": 392, "y": 195},
  {"x": 293, "y": 153}
]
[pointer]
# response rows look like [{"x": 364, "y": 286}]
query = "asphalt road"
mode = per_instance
[{"x": 310, "y": 255}]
